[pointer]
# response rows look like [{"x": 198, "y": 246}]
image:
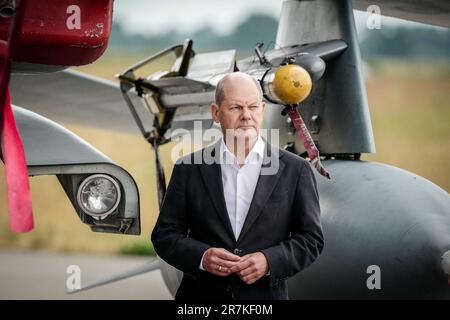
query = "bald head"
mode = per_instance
[
  {"x": 235, "y": 79},
  {"x": 239, "y": 107}
]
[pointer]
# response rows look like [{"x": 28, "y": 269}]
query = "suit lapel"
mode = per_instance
[
  {"x": 212, "y": 178},
  {"x": 264, "y": 187}
]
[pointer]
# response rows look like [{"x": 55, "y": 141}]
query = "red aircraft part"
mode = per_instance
[{"x": 61, "y": 32}]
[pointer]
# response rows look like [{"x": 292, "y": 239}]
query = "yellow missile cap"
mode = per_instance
[{"x": 292, "y": 84}]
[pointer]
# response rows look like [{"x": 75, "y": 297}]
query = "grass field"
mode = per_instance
[{"x": 410, "y": 111}]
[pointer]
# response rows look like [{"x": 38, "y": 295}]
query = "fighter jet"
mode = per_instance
[{"x": 387, "y": 231}]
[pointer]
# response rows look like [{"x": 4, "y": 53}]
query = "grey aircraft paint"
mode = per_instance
[{"x": 375, "y": 217}]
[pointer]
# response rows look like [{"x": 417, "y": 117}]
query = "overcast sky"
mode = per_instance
[{"x": 162, "y": 16}]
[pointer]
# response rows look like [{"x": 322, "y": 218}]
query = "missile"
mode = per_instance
[{"x": 289, "y": 84}]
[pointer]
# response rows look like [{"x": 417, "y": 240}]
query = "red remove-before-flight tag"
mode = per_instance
[
  {"x": 18, "y": 187},
  {"x": 19, "y": 197},
  {"x": 308, "y": 142}
]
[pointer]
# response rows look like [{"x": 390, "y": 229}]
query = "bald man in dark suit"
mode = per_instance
[{"x": 240, "y": 216}]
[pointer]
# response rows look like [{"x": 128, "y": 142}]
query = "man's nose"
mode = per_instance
[{"x": 246, "y": 115}]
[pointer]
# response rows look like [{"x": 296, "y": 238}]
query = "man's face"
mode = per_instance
[{"x": 241, "y": 111}]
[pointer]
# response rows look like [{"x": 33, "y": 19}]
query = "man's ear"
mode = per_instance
[
  {"x": 263, "y": 104},
  {"x": 215, "y": 112}
]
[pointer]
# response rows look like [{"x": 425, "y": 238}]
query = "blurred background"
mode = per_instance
[{"x": 407, "y": 73}]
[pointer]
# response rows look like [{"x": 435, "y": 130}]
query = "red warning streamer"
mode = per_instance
[
  {"x": 308, "y": 142},
  {"x": 19, "y": 197},
  {"x": 18, "y": 187}
]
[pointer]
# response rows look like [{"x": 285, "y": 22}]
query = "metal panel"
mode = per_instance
[
  {"x": 47, "y": 143},
  {"x": 188, "y": 99},
  {"x": 208, "y": 64},
  {"x": 326, "y": 50},
  {"x": 177, "y": 85}
]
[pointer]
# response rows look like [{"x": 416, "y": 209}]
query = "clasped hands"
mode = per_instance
[{"x": 249, "y": 268}]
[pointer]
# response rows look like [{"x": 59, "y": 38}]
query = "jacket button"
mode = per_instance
[{"x": 237, "y": 251}]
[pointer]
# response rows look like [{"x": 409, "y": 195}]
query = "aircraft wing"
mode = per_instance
[
  {"x": 75, "y": 98},
  {"x": 435, "y": 12}
]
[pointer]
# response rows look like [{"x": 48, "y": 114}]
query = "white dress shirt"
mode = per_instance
[{"x": 239, "y": 183}]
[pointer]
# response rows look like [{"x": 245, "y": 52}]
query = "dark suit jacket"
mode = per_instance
[{"x": 282, "y": 222}]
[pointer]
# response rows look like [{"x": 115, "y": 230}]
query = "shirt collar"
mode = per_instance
[{"x": 257, "y": 152}]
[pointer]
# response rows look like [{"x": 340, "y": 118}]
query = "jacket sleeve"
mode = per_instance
[
  {"x": 170, "y": 234},
  {"x": 306, "y": 239}
]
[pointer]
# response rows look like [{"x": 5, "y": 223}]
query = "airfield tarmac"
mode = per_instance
[{"x": 42, "y": 275}]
